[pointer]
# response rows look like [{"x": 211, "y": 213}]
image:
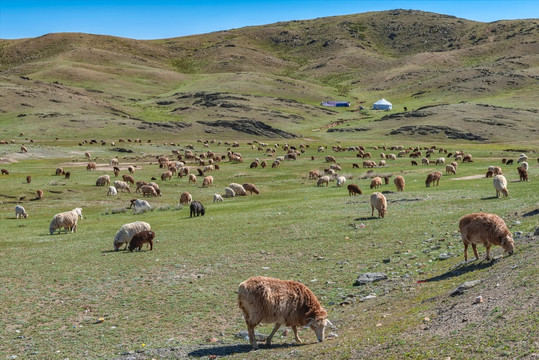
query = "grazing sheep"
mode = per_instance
[
  {"x": 113, "y": 162},
  {"x": 521, "y": 158},
  {"x": 253, "y": 165},
  {"x": 354, "y": 189},
  {"x": 509, "y": 162},
  {"x": 486, "y": 229},
  {"x": 378, "y": 202},
  {"x": 314, "y": 174},
  {"x": 196, "y": 208},
  {"x": 59, "y": 171},
  {"x": 382, "y": 163},
  {"x": 89, "y": 166},
  {"x": 122, "y": 186},
  {"x": 414, "y": 163},
  {"x": 522, "y": 174},
  {"x": 217, "y": 198},
  {"x": 192, "y": 178},
  {"x": 39, "y": 194},
  {"x": 67, "y": 220},
  {"x": 131, "y": 169},
  {"x": 28, "y": 179},
  {"x": 148, "y": 190},
  {"x": 141, "y": 238},
  {"x": 450, "y": 170},
  {"x": 112, "y": 190},
  {"x": 330, "y": 158},
  {"x": 208, "y": 180},
  {"x": 67, "y": 175},
  {"x": 102, "y": 180},
  {"x": 87, "y": 154},
  {"x": 185, "y": 198},
  {"x": 500, "y": 184},
  {"x": 467, "y": 158},
  {"x": 341, "y": 180},
  {"x": 323, "y": 180},
  {"x": 524, "y": 165},
  {"x": 140, "y": 184},
  {"x": 167, "y": 175},
  {"x": 440, "y": 161},
  {"x": 489, "y": 174},
  {"x": 126, "y": 233},
  {"x": 376, "y": 182},
  {"x": 496, "y": 170},
  {"x": 399, "y": 183},
  {"x": 5, "y": 171},
  {"x": 386, "y": 180},
  {"x": 239, "y": 190},
  {"x": 139, "y": 206},
  {"x": 24, "y": 149},
  {"x": 455, "y": 164},
  {"x": 283, "y": 302},
  {"x": 424, "y": 161},
  {"x": 251, "y": 188},
  {"x": 229, "y": 192},
  {"x": 433, "y": 178},
  {"x": 20, "y": 212}
]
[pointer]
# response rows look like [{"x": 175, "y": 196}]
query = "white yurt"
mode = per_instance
[{"x": 382, "y": 104}]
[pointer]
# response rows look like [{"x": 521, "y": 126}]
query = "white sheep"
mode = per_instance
[
  {"x": 140, "y": 206},
  {"x": 378, "y": 201},
  {"x": 500, "y": 183},
  {"x": 341, "y": 180},
  {"x": 113, "y": 162},
  {"x": 229, "y": 192},
  {"x": 238, "y": 189},
  {"x": 525, "y": 165},
  {"x": 522, "y": 158},
  {"x": 20, "y": 212},
  {"x": 112, "y": 191},
  {"x": 102, "y": 180},
  {"x": 217, "y": 197},
  {"x": 126, "y": 233},
  {"x": 122, "y": 186},
  {"x": 67, "y": 220}
]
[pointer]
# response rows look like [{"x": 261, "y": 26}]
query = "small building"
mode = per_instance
[
  {"x": 336, "y": 103},
  {"x": 382, "y": 104}
]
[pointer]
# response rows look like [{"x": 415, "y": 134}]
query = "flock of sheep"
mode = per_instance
[{"x": 268, "y": 300}]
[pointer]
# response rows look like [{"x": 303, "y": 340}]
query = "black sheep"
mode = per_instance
[{"x": 197, "y": 208}]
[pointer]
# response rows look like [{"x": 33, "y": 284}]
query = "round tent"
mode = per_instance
[{"x": 382, "y": 104}]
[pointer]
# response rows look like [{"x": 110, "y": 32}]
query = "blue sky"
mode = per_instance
[{"x": 157, "y": 19}]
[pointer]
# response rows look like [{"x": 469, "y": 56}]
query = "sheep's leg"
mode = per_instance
[
  {"x": 474, "y": 247},
  {"x": 465, "y": 251},
  {"x": 488, "y": 252},
  {"x": 252, "y": 338},
  {"x": 275, "y": 328},
  {"x": 296, "y": 336},
  {"x": 372, "y": 213}
]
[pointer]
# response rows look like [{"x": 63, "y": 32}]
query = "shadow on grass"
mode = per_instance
[
  {"x": 489, "y": 198},
  {"x": 365, "y": 218},
  {"x": 236, "y": 349},
  {"x": 462, "y": 268}
]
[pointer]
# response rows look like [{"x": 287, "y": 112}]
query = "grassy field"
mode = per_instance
[{"x": 55, "y": 289}]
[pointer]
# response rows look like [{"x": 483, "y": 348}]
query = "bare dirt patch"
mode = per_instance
[{"x": 471, "y": 177}]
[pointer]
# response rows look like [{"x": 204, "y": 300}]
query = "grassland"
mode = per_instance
[{"x": 56, "y": 288}]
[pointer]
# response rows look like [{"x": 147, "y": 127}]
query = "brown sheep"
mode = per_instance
[
  {"x": 314, "y": 174},
  {"x": 140, "y": 184},
  {"x": 253, "y": 165},
  {"x": 5, "y": 171},
  {"x": 522, "y": 174},
  {"x": 141, "y": 238},
  {"x": 283, "y": 302},
  {"x": 148, "y": 190},
  {"x": 251, "y": 188},
  {"x": 376, "y": 182},
  {"x": 399, "y": 183},
  {"x": 192, "y": 178},
  {"x": 330, "y": 158},
  {"x": 39, "y": 194},
  {"x": 67, "y": 175},
  {"x": 131, "y": 169},
  {"x": 433, "y": 178},
  {"x": 489, "y": 174},
  {"x": 354, "y": 189},
  {"x": 28, "y": 179},
  {"x": 386, "y": 180},
  {"x": 116, "y": 172},
  {"x": 128, "y": 179},
  {"x": 355, "y": 166},
  {"x": 166, "y": 175},
  {"x": 414, "y": 163},
  {"x": 59, "y": 171},
  {"x": 208, "y": 180},
  {"x": 486, "y": 229},
  {"x": 467, "y": 158},
  {"x": 90, "y": 166},
  {"x": 378, "y": 201},
  {"x": 323, "y": 180},
  {"x": 185, "y": 198},
  {"x": 263, "y": 164},
  {"x": 450, "y": 170}
]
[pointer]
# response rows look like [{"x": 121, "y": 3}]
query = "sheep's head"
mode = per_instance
[
  {"x": 318, "y": 325},
  {"x": 505, "y": 192},
  {"x": 508, "y": 244}
]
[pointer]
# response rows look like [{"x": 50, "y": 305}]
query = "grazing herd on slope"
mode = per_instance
[{"x": 268, "y": 300}]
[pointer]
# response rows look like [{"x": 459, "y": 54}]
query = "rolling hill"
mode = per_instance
[{"x": 275, "y": 77}]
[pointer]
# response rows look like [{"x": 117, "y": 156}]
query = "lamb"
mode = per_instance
[
  {"x": 112, "y": 190},
  {"x": 486, "y": 229},
  {"x": 208, "y": 180},
  {"x": 238, "y": 189},
  {"x": 433, "y": 178},
  {"x": 140, "y": 206},
  {"x": 378, "y": 201},
  {"x": 20, "y": 212},
  {"x": 102, "y": 180},
  {"x": 353, "y": 189},
  {"x": 217, "y": 198},
  {"x": 341, "y": 180},
  {"x": 323, "y": 180},
  {"x": 59, "y": 171},
  {"x": 39, "y": 194},
  {"x": 185, "y": 198},
  {"x": 399, "y": 183},
  {"x": 500, "y": 183},
  {"x": 376, "y": 182},
  {"x": 229, "y": 192},
  {"x": 141, "y": 238},
  {"x": 67, "y": 220},
  {"x": 167, "y": 175},
  {"x": 126, "y": 233},
  {"x": 522, "y": 174},
  {"x": 196, "y": 208},
  {"x": 450, "y": 170},
  {"x": 283, "y": 302},
  {"x": 89, "y": 166},
  {"x": 251, "y": 188},
  {"x": 121, "y": 185},
  {"x": 148, "y": 190}
]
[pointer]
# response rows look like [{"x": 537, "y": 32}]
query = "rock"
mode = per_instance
[
  {"x": 443, "y": 256},
  {"x": 369, "y": 278},
  {"x": 478, "y": 300},
  {"x": 465, "y": 286},
  {"x": 386, "y": 261},
  {"x": 371, "y": 296},
  {"x": 245, "y": 335}
]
